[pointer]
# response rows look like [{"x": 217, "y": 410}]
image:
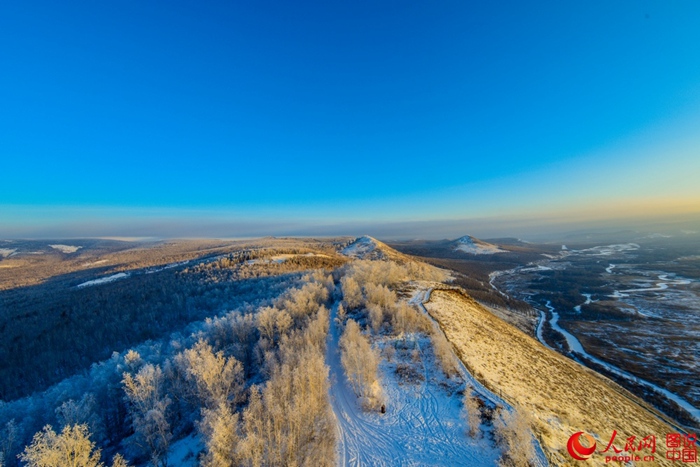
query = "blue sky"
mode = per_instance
[{"x": 345, "y": 111}]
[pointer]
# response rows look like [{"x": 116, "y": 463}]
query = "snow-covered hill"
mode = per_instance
[
  {"x": 367, "y": 247},
  {"x": 474, "y": 246}
]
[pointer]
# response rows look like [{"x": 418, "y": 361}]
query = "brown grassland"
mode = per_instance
[{"x": 560, "y": 396}]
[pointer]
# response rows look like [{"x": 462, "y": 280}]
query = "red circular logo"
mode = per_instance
[{"x": 577, "y": 450}]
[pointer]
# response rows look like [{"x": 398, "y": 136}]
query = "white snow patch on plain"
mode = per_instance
[
  {"x": 6, "y": 252},
  {"x": 170, "y": 266},
  {"x": 538, "y": 267},
  {"x": 468, "y": 244},
  {"x": 66, "y": 248},
  {"x": 608, "y": 250},
  {"x": 104, "y": 280}
]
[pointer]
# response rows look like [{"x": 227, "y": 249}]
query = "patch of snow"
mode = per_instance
[
  {"x": 609, "y": 250},
  {"x": 184, "y": 453},
  {"x": 610, "y": 268},
  {"x": 104, "y": 280},
  {"x": 7, "y": 252},
  {"x": 473, "y": 246},
  {"x": 67, "y": 249},
  {"x": 538, "y": 267},
  {"x": 169, "y": 266}
]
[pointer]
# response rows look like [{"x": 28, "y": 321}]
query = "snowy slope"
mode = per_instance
[
  {"x": 363, "y": 248},
  {"x": 67, "y": 249}
]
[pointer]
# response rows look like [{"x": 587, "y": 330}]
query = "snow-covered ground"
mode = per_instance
[
  {"x": 473, "y": 246},
  {"x": 167, "y": 266},
  {"x": 66, "y": 248},
  {"x": 184, "y": 452},
  {"x": 421, "y": 426},
  {"x": 104, "y": 280}
]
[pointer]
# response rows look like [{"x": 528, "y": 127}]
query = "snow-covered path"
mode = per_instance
[{"x": 421, "y": 426}]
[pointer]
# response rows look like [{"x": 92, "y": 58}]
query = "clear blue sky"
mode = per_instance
[{"x": 346, "y": 110}]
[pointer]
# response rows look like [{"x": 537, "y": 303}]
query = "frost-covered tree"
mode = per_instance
[
  {"x": 9, "y": 437},
  {"x": 148, "y": 402},
  {"x": 379, "y": 295},
  {"x": 513, "y": 433},
  {"x": 360, "y": 363},
  {"x": 219, "y": 428},
  {"x": 82, "y": 411},
  {"x": 71, "y": 448},
  {"x": 471, "y": 412},
  {"x": 303, "y": 302},
  {"x": 273, "y": 322},
  {"x": 444, "y": 353},
  {"x": 119, "y": 461},
  {"x": 218, "y": 379},
  {"x": 352, "y": 293}
]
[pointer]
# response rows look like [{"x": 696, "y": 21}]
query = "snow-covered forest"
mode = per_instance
[{"x": 284, "y": 357}]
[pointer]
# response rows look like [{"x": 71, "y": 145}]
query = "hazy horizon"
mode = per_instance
[
  {"x": 401, "y": 120},
  {"x": 552, "y": 228}
]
